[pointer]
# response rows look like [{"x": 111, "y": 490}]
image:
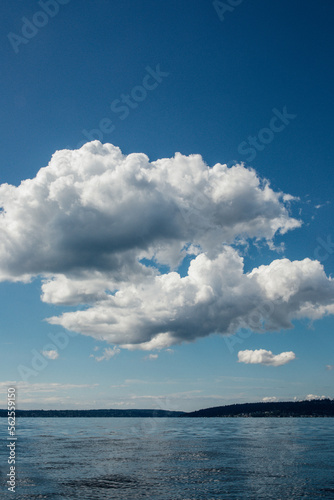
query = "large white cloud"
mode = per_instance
[
  {"x": 216, "y": 296},
  {"x": 263, "y": 357},
  {"x": 96, "y": 209},
  {"x": 88, "y": 222}
]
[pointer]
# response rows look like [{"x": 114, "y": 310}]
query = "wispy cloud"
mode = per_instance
[
  {"x": 32, "y": 388},
  {"x": 108, "y": 353},
  {"x": 152, "y": 356}
]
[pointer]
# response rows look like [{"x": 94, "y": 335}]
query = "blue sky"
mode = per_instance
[{"x": 199, "y": 81}]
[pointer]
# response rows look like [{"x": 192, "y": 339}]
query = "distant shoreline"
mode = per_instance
[{"x": 304, "y": 409}]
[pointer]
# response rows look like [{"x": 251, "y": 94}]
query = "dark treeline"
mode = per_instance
[
  {"x": 94, "y": 413},
  {"x": 314, "y": 408}
]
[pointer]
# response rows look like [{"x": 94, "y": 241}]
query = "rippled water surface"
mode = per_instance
[{"x": 172, "y": 459}]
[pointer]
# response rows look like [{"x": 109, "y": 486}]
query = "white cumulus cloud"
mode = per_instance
[
  {"x": 263, "y": 357},
  {"x": 96, "y": 225},
  {"x": 96, "y": 209},
  {"x": 270, "y": 399},
  {"x": 216, "y": 296}
]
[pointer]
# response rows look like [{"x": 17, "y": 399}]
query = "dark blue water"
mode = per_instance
[{"x": 172, "y": 459}]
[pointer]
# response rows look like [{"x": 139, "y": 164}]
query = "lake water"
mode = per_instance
[{"x": 171, "y": 459}]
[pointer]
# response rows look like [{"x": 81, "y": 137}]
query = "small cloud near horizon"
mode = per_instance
[
  {"x": 310, "y": 397},
  {"x": 263, "y": 357}
]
